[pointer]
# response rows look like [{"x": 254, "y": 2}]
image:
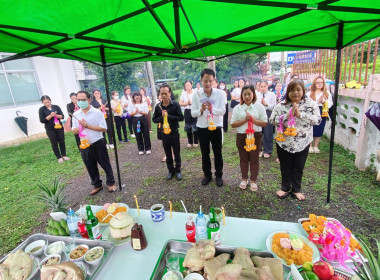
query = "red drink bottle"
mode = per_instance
[{"x": 190, "y": 230}]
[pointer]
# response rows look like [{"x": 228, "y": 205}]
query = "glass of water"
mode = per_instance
[{"x": 172, "y": 261}]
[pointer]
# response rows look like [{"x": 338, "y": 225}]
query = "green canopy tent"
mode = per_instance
[{"x": 110, "y": 32}]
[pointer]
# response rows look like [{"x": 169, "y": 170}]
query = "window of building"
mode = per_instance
[{"x": 18, "y": 84}]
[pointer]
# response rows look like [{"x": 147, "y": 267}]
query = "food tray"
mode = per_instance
[
  {"x": 181, "y": 247},
  {"x": 339, "y": 272},
  {"x": 92, "y": 270},
  {"x": 300, "y": 221}
]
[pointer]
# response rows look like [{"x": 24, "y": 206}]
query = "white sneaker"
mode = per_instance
[
  {"x": 317, "y": 150},
  {"x": 108, "y": 146},
  {"x": 141, "y": 153},
  {"x": 60, "y": 160},
  {"x": 66, "y": 158},
  {"x": 148, "y": 152},
  {"x": 311, "y": 150},
  {"x": 133, "y": 136},
  {"x": 112, "y": 146}
]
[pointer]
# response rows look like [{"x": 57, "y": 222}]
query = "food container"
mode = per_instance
[
  {"x": 157, "y": 211},
  {"x": 35, "y": 248},
  {"x": 194, "y": 276},
  {"x": 55, "y": 248},
  {"x": 121, "y": 225},
  {"x": 94, "y": 255},
  {"x": 50, "y": 257},
  {"x": 77, "y": 251},
  {"x": 171, "y": 275}
]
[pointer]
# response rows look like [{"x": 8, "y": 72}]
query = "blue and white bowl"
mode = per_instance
[{"x": 157, "y": 211}]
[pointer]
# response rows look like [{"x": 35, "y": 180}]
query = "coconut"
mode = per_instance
[{"x": 121, "y": 225}]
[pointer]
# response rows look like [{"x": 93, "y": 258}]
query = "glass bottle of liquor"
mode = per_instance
[
  {"x": 213, "y": 228},
  {"x": 92, "y": 224}
]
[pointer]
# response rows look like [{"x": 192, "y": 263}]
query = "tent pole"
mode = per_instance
[
  {"x": 110, "y": 111},
  {"x": 335, "y": 103}
]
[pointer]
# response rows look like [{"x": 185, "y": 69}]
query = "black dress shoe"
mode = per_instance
[
  {"x": 170, "y": 176},
  {"x": 178, "y": 176},
  {"x": 206, "y": 180},
  {"x": 219, "y": 181}
]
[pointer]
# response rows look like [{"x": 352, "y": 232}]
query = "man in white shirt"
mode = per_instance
[
  {"x": 207, "y": 102},
  {"x": 94, "y": 124}
]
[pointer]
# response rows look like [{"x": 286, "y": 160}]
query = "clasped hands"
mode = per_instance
[
  {"x": 295, "y": 111},
  {"x": 83, "y": 123},
  {"x": 205, "y": 106}
]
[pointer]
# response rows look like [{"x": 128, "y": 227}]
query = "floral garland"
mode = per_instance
[
  {"x": 250, "y": 139},
  {"x": 83, "y": 139},
  {"x": 57, "y": 125}
]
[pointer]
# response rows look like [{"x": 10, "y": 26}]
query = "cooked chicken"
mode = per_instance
[
  {"x": 193, "y": 259},
  {"x": 17, "y": 266},
  {"x": 275, "y": 266},
  {"x": 63, "y": 271},
  {"x": 266, "y": 273},
  {"x": 211, "y": 266},
  {"x": 228, "y": 272},
  {"x": 250, "y": 274},
  {"x": 206, "y": 249},
  {"x": 243, "y": 257}
]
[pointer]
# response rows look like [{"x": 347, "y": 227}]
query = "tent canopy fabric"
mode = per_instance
[{"x": 141, "y": 30}]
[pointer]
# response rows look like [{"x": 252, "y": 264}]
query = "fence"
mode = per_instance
[{"x": 357, "y": 62}]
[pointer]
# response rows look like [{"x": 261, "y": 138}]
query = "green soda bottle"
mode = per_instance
[
  {"x": 213, "y": 228},
  {"x": 92, "y": 225}
]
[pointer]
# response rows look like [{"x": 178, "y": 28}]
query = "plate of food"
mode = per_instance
[
  {"x": 291, "y": 247},
  {"x": 105, "y": 213},
  {"x": 21, "y": 264}
]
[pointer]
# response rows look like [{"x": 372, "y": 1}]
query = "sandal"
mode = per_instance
[
  {"x": 94, "y": 191},
  {"x": 266, "y": 155},
  {"x": 112, "y": 188},
  {"x": 299, "y": 196},
  {"x": 253, "y": 187},
  {"x": 283, "y": 195},
  {"x": 243, "y": 184},
  {"x": 163, "y": 159}
]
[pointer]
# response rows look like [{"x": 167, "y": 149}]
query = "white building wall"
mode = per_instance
[{"x": 56, "y": 78}]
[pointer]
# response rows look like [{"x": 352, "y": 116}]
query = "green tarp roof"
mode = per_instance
[{"x": 139, "y": 30}]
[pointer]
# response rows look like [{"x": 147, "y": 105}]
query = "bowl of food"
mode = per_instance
[
  {"x": 194, "y": 276},
  {"x": 173, "y": 275},
  {"x": 77, "y": 254},
  {"x": 35, "y": 248},
  {"x": 50, "y": 260},
  {"x": 94, "y": 255},
  {"x": 55, "y": 248}
]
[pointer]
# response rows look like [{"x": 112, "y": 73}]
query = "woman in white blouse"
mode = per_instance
[
  {"x": 190, "y": 122},
  {"x": 236, "y": 93},
  {"x": 248, "y": 109},
  {"x": 320, "y": 95}
]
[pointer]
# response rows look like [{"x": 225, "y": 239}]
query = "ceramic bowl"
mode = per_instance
[
  {"x": 89, "y": 252},
  {"x": 157, "y": 211},
  {"x": 172, "y": 274},
  {"x": 33, "y": 245},
  {"x": 81, "y": 257},
  {"x": 194, "y": 276},
  {"x": 43, "y": 262},
  {"x": 58, "y": 252}
]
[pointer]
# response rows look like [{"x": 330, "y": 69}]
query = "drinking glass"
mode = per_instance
[{"x": 172, "y": 261}]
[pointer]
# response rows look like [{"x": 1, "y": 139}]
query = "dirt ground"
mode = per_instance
[{"x": 145, "y": 176}]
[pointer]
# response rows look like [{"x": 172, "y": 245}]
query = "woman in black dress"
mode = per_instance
[{"x": 51, "y": 116}]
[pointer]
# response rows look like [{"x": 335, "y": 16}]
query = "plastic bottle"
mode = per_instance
[
  {"x": 201, "y": 226},
  {"x": 190, "y": 230},
  {"x": 72, "y": 223},
  {"x": 138, "y": 128}
]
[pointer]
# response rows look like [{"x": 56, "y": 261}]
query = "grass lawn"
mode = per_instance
[{"x": 23, "y": 166}]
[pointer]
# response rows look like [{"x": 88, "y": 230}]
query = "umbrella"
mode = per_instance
[
  {"x": 22, "y": 123},
  {"x": 373, "y": 114}
]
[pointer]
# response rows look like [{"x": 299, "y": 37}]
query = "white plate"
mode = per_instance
[
  {"x": 96, "y": 208},
  {"x": 269, "y": 240},
  {"x": 106, "y": 235}
]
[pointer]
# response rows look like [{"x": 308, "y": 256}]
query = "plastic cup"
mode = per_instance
[{"x": 172, "y": 261}]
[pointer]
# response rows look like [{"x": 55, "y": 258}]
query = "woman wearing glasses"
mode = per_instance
[{"x": 320, "y": 95}]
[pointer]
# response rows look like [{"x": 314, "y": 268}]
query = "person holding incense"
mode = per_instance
[
  {"x": 168, "y": 113},
  {"x": 249, "y": 112},
  {"x": 296, "y": 115}
]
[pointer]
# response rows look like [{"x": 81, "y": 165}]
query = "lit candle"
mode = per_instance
[
  {"x": 170, "y": 204},
  {"x": 137, "y": 205},
  {"x": 224, "y": 216}
]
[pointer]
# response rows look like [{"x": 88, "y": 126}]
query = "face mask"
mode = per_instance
[
  {"x": 82, "y": 104},
  {"x": 222, "y": 87},
  {"x": 116, "y": 97}
]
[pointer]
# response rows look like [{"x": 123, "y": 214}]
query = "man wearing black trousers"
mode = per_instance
[
  {"x": 210, "y": 102},
  {"x": 170, "y": 140},
  {"x": 94, "y": 124}
]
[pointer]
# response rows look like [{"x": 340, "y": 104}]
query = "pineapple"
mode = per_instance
[
  {"x": 53, "y": 196},
  {"x": 370, "y": 270}
]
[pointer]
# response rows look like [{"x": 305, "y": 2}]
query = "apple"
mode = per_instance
[
  {"x": 307, "y": 266},
  {"x": 336, "y": 277},
  {"x": 323, "y": 269}
]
